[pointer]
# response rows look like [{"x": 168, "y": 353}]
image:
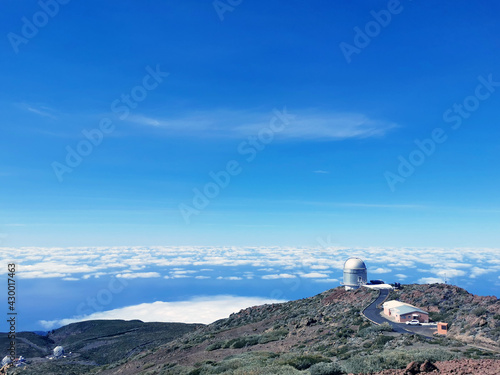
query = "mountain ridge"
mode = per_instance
[{"x": 321, "y": 334}]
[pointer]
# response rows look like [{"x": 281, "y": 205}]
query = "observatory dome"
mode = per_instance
[
  {"x": 354, "y": 264},
  {"x": 355, "y": 273},
  {"x": 58, "y": 351},
  {"x": 6, "y": 360}
]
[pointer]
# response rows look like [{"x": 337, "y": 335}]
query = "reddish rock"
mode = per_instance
[
  {"x": 455, "y": 367},
  {"x": 428, "y": 366},
  {"x": 413, "y": 368}
]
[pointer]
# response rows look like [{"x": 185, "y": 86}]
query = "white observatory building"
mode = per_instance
[
  {"x": 355, "y": 273},
  {"x": 58, "y": 351}
]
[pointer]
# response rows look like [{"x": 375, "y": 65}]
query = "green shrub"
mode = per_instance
[
  {"x": 382, "y": 340},
  {"x": 479, "y": 311},
  {"x": 274, "y": 335},
  {"x": 393, "y": 360},
  {"x": 384, "y": 327},
  {"x": 264, "y": 370},
  {"x": 214, "y": 346},
  {"x": 324, "y": 368},
  {"x": 303, "y": 362},
  {"x": 242, "y": 342}
]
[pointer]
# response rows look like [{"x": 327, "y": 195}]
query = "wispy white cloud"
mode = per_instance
[
  {"x": 336, "y": 126},
  {"x": 333, "y": 281},
  {"x": 448, "y": 272},
  {"x": 144, "y": 120},
  {"x": 39, "y": 110},
  {"x": 306, "y": 124},
  {"x": 381, "y": 270},
  {"x": 138, "y": 275},
  {"x": 278, "y": 276},
  {"x": 95, "y": 275},
  {"x": 355, "y": 204},
  {"x": 320, "y": 267},
  {"x": 478, "y": 271},
  {"x": 430, "y": 280},
  {"x": 400, "y": 276},
  {"x": 175, "y": 276},
  {"x": 313, "y": 275},
  {"x": 380, "y": 205},
  {"x": 196, "y": 310},
  {"x": 40, "y": 275},
  {"x": 229, "y": 278},
  {"x": 320, "y": 171}
]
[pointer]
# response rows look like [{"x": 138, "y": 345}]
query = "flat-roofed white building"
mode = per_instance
[
  {"x": 404, "y": 312},
  {"x": 390, "y": 304}
]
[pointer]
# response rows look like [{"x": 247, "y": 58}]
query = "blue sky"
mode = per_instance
[{"x": 323, "y": 174}]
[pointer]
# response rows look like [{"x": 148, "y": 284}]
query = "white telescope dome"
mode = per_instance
[
  {"x": 355, "y": 273},
  {"x": 354, "y": 264},
  {"x": 6, "y": 360},
  {"x": 58, "y": 351}
]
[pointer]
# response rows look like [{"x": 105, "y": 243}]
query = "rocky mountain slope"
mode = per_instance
[
  {"x": 93, "y": 343},
  {"x": 320, "y": 335}
]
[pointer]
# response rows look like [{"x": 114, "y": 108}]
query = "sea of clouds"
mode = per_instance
[{"x": 241, "y": 268}]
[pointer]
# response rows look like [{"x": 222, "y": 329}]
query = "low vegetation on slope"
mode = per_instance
[
  {"x": 320, "y": 335},
  {"x": 92, "y": 343},
  {"x": 29, "y": 344},
  {"x": 324, "y": 334}
]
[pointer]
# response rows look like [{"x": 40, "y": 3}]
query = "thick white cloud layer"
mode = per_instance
[
  {"x": 196, "y": 310},
  {"x": 267, "y": 263}
]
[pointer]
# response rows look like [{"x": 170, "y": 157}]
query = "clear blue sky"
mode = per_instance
[{"x": 324, "y": 174}]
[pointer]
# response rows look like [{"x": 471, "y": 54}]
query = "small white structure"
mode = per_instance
[
  {"x": 6, "y": 360},
  {"x": 58, "y": 351},
  {"x": 379, "y": 286},
  {"x": 355, "y": 274}
]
